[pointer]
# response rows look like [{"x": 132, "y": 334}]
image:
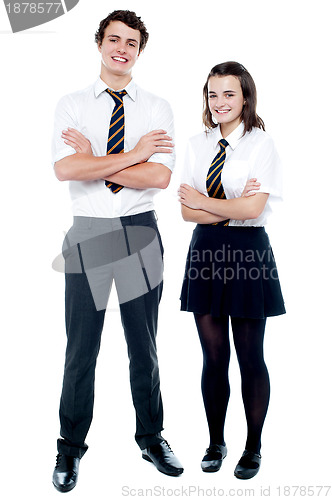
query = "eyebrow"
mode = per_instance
[
  {"x": 128, "y": 39},
  {"x": 224, "y": 92}
]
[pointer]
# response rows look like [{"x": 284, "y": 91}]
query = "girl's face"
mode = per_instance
[{"x": 226, "y": 102}]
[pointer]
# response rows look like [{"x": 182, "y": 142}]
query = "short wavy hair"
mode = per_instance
[
  {"x": 127, "y": 17},
  {"x": 249, "y": 115}
]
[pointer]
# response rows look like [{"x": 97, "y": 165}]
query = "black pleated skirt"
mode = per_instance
[{"x": 231, "y": 271}]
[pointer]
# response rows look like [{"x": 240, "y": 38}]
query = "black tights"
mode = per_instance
[{"x": 248, "y": 337}]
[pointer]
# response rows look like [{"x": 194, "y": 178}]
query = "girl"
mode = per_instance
[{"x": 230, "y": 270}]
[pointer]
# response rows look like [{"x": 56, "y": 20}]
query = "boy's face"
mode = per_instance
[{"x": 119, "y": 48}]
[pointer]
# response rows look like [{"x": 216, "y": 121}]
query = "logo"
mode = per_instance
[
  {"x": 25, "y": 15},
  {"x": 129, "y": 256}
]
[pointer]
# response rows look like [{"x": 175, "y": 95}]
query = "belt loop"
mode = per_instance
[
  {"x": 127, "y": 240},
  {"x": 80, "y": 257}
]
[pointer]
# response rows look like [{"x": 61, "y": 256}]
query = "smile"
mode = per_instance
[
  {"x": 222, "y": 111},
  {"x": 120, "y": 59}
]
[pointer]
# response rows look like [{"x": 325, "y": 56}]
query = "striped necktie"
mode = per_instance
[
  {"x": 115, "y": 143},
  {"x": 213, "y": 181}
]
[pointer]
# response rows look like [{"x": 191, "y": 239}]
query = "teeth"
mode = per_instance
[
  {"x": 121, "y": 59},
  {"x": 223, "y": 111}
]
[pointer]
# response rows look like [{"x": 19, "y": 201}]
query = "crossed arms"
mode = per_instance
[
  {"x": 129, "y": 169},
  {"x": 196, "y": 207},
  {"x": 132, "y": 170}
]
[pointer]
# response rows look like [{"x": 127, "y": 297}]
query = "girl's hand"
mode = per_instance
[
  {"x": 76, "y": 140},
  {"x": 190, "y": 197},
  {"x": 250, "y": 188}
]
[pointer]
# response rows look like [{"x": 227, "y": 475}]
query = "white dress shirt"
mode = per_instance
[
  {"x": 253, "y": 155},
  {"x": 89, "y": 111}
]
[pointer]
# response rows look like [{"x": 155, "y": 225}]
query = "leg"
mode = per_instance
[
  {"x": 214, "y": 337},
  {"x": 84, "y": 325},
  {"x": 139, "y": 320},
  {"x": 248, "y": 340}
]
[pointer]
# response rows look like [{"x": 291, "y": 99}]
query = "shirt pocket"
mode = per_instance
[
  {"x": 234, "y": 177},
  {"x": 134, "y": 130}
]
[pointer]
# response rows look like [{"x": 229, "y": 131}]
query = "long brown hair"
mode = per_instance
[{"x": 249, "y": 115}]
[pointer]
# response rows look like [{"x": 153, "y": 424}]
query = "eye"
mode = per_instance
[
  {"x": 212, "y": 96},
  {"x": 229, "y": 95}
]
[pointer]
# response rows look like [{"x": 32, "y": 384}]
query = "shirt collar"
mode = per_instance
[
  {"x": 234, "y": 137},
  {"x": 131, "y": 89},
  {"x": 215, "y": 136}
]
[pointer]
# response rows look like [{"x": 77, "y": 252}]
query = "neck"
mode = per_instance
[
  {"x": 228, "y": 128},
  {"x": 113, "y": 81}
]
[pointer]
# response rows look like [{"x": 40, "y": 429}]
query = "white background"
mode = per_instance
[{"x": 285, "y": 45}]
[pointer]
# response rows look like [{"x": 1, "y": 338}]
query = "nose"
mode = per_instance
[
  {"x": 220, "y": 102},
  {"x": 121, "y": 48}
]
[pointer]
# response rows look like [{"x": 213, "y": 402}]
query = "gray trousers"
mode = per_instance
[{"x": 127, "y": 251}]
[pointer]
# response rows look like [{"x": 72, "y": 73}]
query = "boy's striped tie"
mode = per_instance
[{"x": 115, "y": 143}]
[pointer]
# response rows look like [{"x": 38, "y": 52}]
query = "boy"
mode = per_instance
[{"x": 114, "y": 235}]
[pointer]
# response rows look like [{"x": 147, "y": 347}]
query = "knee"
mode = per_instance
[
  {"x": 252, "y": 367},
  {"x": 216, "y": 366}
]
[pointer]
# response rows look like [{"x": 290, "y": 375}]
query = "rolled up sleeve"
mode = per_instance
[
  {"x": 64, "y": 117},
  {"x": 267, "y": 168},
  {"x": 163, "y": 120}
]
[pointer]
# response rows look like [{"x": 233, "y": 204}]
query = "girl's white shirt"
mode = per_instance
[{"x": 250, "y": 156}]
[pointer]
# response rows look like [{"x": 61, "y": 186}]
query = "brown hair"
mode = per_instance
[
  {"x": 127, "y": 17},
  {"x": 249, "y": 115}
]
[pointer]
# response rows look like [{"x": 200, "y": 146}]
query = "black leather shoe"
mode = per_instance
[
  {"x": 248, "y": 465},
  {"x": 163, "y": 458},
  {"x": 212, "y": 461},
  {"x": 65, "y": 473}
]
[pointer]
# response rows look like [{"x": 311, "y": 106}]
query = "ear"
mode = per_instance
[{"x": 99, "y": 46}]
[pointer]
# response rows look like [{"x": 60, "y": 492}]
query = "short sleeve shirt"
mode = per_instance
[
  {"x": 89, "y": 111},
  {"x": 250, "y": 156}
]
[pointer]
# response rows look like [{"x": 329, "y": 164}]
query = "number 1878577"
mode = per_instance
[{"x": 33, "y": 8}]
